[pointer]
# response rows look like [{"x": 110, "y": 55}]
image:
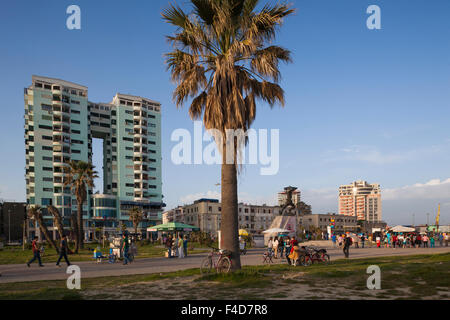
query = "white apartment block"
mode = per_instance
[{"x": 361, "y": 200}]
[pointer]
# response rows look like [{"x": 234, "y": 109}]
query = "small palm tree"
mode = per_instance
[
  {"x": 222, "y": 62},
  {"x": 136, "y": 216},
  {"x": 35, "y": 212},
  {"x": 80, "y": 176}
]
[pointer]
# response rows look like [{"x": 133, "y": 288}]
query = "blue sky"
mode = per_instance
[{"x": 360, "y": 104}]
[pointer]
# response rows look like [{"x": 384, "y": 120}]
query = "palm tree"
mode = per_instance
[
  {"x": 35, "y": 212},
  {"x": 220, "y": 60},
  {"x": 80, "y": 176},
  {"x": 57, "y": 220},
  {"x": 136, "y": 216}
]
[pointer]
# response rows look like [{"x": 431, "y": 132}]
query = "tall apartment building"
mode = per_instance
[
  {"x": 361, "y": 200},
  {"x": 282, "y": 196},
  {"x": 206, "y": 214},
  {"x": 60, "y": 124}
]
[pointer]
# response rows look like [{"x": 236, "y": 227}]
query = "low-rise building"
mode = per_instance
[
  {"x": 322, "y": 221},
  {"x": 12, "y": 218},
  {"x": 173, "y": 215},
  {"x": 206, "y": 214}
]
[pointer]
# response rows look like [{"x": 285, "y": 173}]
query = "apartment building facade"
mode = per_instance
[
  {"x": 361, "y": 200},
  {"x": 173, "y": 215},
  {"x": 60, "y": 124},
  {"x": 206, "y": 214}
]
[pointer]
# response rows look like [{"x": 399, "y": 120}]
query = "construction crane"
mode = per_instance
[{"x": 437, "y": 217}]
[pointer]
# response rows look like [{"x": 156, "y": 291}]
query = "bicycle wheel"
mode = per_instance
[
  {"x": 224, "y": 265},
  {"x": 206, "y": 266},
  {"x": 325, "y": 258},
  {"x": 305, "y": 261}
]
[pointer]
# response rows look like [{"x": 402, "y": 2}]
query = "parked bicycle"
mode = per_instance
[
  {"x": 218, "y": 260},
  {"x": 318, "y": 255},
  {"x": 309, "y": 255},
  {"x": 268, "y": 256}
]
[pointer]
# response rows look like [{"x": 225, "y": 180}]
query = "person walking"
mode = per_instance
[
  {"x": 419, "y": 241},
  {"x": 185, "y": 246},
  {"x": 378, "y": 239},
  {"x": 125, "y": 248},
  {"x": 63, "y": 250},
  {"x": 180, "y": 247},
  {"x": 291, "y": 255},
  {"x": 281, "y": 245},
  {"x": 169, "y": 246},
  {"x": 441, "y": 240},
  {"x": 275, "y": 247},
  {"x": 333, "y": 240},
  {"x": 347, "y": 243},
  {"x": 425, "y": 241},
  {"x": 363, "y": 239},
  {"x": 432, "y": 242},
  {"x": 36, "y": 253},
  {"x": 270, "y": 245},
  {"x": 287, "y": 249}
]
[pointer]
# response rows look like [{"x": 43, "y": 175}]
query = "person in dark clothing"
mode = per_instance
[
  {"x": 36, "y": 253},
  {"x": 363, "y": 239},
  {"x": 125, "y": 248},
  {"x": 347, "y": 243},
  {"x": 185, "y": 246},
  {"x": 63, "y": 250}
]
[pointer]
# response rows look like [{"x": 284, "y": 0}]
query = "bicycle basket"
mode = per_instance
[{"x": 226, "y": 252}]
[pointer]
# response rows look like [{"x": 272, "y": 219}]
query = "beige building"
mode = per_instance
[
  {"x": 206, "y": 214},
  {"x": 361, "y": 200},
  {"x": 322, "y": 221},
  {"x": 173, "y": 215}
]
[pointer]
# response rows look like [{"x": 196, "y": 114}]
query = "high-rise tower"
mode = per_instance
[{"x": 60, "y": 124}]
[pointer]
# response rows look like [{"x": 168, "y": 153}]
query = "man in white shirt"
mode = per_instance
[{"x": 270, "y": 245}]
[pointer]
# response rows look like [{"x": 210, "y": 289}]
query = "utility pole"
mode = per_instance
[{"x": 414, "y": 215}]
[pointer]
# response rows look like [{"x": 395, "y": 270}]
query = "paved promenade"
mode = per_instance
[{"x": 21, "y": 273}]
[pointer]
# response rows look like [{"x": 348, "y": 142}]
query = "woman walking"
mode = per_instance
[
  {"x": 275, "y": 247},
  {"x": 180, "y": 247}
]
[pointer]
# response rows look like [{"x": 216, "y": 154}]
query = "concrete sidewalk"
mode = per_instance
[{"x": 21, "y": 273}]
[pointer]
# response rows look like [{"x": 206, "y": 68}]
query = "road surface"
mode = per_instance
[{"x": 21, "y": 273}]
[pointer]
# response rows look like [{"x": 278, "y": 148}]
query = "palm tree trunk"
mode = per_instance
[
  {"x": 80, "y": 225},
  {"x": 229, "y": 224},
  {"x": 57, "y": 219},
  {"x": 73, "y": 220},
  {"x": 44, "y": 230}
]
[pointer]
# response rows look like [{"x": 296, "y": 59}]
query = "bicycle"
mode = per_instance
[
  {"x": 318, "y": 255},
  {"x": 267, "y": 256},
  {"x": 222, "y": 264}
]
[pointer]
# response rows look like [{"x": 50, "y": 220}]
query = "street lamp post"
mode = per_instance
[{"x": 9, "y": 226}]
